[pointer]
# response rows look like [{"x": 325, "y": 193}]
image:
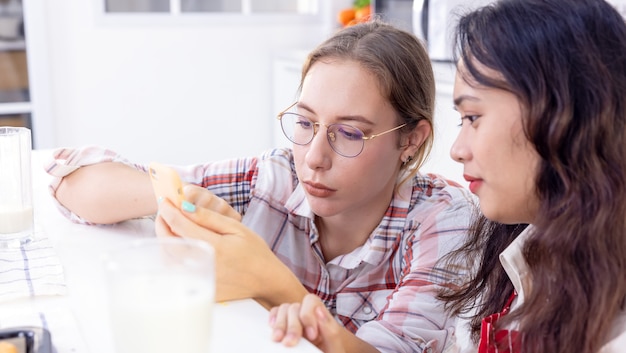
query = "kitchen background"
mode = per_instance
[{"x": 183, "y": 81}]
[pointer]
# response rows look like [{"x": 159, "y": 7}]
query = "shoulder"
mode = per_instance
[
  {"x": 276, "y": 170},
  {"x": 440, "y": 213},
  {"x": 277, "y": 160},
  {"x": 440, "y": 205},
  {"x": 428, "y": 189},
  {"x": 278, "y": 154}
]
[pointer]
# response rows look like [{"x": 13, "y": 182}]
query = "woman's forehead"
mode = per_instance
[
  {"x": 341, "y": 79},
  {"x": 482, "y": 69}
]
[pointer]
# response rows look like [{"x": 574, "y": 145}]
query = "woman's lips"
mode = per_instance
[
  {"x": 318, "y": 190},
  {"x": 474, "y": 183}
]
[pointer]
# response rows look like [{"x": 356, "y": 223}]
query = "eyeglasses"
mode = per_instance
[{"x": 346, "y": 140}]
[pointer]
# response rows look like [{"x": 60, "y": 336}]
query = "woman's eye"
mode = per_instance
[
  {"x": 349, "y": 132},
  {"x": 305, "y": 124},
  {"x": 470, "y": 118}
]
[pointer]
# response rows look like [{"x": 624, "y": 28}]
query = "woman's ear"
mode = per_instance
[{"x": 415, "y": 139}]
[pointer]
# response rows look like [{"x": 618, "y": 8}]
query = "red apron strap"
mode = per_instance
[{"x": 500, "y": 341}]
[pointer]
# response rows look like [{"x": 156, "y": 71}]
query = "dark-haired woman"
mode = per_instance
[{"x": 541, "y": 89}]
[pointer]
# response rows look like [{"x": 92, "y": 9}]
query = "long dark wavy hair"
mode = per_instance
[{"x": 566, "y": 63}]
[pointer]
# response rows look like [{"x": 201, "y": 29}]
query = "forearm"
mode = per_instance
[
  {"x": 278, "y": 286},
  {"x": 353, "y": 344},
  {"x": 107, "y": 193}
]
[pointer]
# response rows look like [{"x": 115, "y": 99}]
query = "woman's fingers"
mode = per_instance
[
  {"x": 329, "y": 332},
  {"x": 308, "y": 318},
  {"x": 291, "y": 322},
  {"x": 294, "y": 326},
  {"x": 278, "y": 321},
  {"x": 285, "y": 321},
  {"x": 200, "y": 216},
  {"x": 202, "y": 197},
  {"x": 174, "y": 221},
  {"x": 161, "y": 228},
  {"x": 203, "y": 215},
  {"x": 320, "y": 326}
]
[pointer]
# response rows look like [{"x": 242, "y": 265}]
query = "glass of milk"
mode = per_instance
[
  {"x": 16, "y": 195},
  {"x": 161, "y": 295}
]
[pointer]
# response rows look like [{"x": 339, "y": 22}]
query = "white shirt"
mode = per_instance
[{"x": 515, "y": 265}]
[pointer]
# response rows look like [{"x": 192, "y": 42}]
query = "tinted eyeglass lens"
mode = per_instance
[{"x": 345, "y": 139}]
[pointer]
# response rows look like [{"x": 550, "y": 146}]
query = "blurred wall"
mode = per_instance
[{"x": 179, "y": 90}]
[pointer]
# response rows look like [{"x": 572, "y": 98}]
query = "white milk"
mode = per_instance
[
  {"x": 171, "y": 314},
  {"x": 15, "y": 220}
]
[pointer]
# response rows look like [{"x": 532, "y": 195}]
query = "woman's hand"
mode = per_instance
[
  {"x": 311, "y": 320},
  {"x": 202, "y": 197},
  {"x": 245, "y": 266}
]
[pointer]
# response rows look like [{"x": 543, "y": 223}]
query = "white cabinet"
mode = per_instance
[{"x": 15, "y": 106}]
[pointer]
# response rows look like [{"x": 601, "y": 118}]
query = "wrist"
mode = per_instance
[{"x": 278, "y": 286}]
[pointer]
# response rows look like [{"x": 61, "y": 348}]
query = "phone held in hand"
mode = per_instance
[{"x": 166, "y": 183}]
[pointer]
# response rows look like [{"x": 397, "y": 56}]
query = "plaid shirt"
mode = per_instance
[{"x": 383, "y": 291}]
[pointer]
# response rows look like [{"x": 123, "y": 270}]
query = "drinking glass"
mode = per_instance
[
  {"x": 16, "y": 195},
  {"x": 161, "y": 295}
]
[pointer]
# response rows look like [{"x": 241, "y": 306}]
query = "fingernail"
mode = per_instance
[
  {"x": 188, "y": 206},
  {"x": 290, "y": 339},
  {"x": 277, "y": 335},
  {"x": 321, "y": 314},
  {"x": 311, "y": 333}
]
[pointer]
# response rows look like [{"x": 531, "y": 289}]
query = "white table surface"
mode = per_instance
[{"x": 78, "y": 321}]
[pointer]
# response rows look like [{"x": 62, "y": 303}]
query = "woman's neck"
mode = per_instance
[{"x": 342, "y": 234}]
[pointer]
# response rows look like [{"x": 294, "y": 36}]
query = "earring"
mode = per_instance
[{"x": 407, "y": 160}]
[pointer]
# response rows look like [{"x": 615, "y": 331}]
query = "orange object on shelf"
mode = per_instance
[
  {"x": 346, "y": 15},
  {"x": 351, "y": 16},
  {"x": 363, "y": 14},
  {"x": 361, "y": 11}
]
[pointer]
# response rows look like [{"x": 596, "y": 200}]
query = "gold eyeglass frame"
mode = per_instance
[{"x": 331, "y": 135}]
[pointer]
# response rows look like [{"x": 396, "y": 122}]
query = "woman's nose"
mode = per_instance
[
  {"x": 460, "y": 151},
  {"x": 319, "y": 150}
]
